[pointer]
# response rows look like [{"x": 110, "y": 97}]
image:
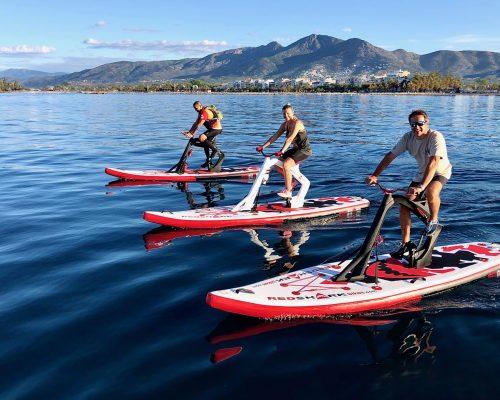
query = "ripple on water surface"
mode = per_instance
[{"x": 88, "y": 312}]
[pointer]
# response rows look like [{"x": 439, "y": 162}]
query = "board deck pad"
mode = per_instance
[
  {"x": 265, "y": 214},
  {"x": 311, "y": 292},
  {"x": 188, "y": 176}
]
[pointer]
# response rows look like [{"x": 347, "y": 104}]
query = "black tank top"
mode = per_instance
[{"x": 301, "y": 140}]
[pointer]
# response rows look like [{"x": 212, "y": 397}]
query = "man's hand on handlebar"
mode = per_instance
[{"x": 371, "y": 180}]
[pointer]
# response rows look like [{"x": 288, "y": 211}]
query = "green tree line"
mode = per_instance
[
  {"x": 6, "y": 86},
  {"x": 142, "y": 87},
  {"x": 419, "y": 83}
]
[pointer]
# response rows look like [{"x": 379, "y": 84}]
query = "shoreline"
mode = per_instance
[{"x": 254, "y": 93}]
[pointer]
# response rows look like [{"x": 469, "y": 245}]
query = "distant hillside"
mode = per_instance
[
  {"x": 24, "y": 75},
  {"x": 469, "y": 63},
  {"x": 313, "y": 56}
]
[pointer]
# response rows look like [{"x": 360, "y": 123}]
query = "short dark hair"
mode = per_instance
[
  {"x": 197, "y": 103},
  {"x": 416, "y": 113},
  {"x": 287, "y": 106}
]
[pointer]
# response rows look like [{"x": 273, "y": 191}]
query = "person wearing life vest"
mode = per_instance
[
  {"x": 209, "y": 118},
  {"x": 428, "y": 147},
  {"x": 295, "y": 149}
]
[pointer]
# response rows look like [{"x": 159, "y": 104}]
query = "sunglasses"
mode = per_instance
[{"x": 418, "y": 123}]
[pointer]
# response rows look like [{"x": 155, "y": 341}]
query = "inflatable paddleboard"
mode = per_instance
[
  {"x": 312, "y": 293},
  {"x": 190, "y": 175},
  {"x": 264, "y": 214}
]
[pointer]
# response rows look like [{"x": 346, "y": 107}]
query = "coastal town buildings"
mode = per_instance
[{"x": 314, "y": 81}]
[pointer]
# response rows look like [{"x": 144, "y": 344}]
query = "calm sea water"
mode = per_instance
[{"x": 88, "y": 312}]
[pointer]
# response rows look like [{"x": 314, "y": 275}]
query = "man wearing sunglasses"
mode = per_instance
[{"x": 428, "y": 147}]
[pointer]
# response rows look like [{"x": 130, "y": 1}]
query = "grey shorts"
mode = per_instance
[{"x": 438, "y": 178}]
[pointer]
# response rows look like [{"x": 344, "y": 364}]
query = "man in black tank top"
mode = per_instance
[{"x": 295, "y": 149}]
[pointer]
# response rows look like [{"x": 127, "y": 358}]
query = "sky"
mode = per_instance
[{"x": 68, "y": 36}]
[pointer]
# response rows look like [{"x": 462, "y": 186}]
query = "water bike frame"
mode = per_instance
[
  {"x": 181, "y": 165},
  {"x": 249, "y": 203},
  {"x": 419, "y": 256}
]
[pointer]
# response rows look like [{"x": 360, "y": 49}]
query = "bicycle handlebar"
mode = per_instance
[{"x": 387, "y": 190}]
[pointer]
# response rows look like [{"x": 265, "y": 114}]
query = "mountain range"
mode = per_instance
[
  {"x": 314, "y": 56},
  {"x": 26, "y": 75}
]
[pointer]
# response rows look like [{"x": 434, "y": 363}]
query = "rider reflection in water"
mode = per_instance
[
  {"x": 397, "y": 340},
  {"x": 410, "y": 337},
  {"x": 211, "y": 195},
  {"x": 285, "y": 247}
]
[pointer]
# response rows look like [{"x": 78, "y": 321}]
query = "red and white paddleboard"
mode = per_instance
[
  {"x": 190, "y": 175},
  {"x": 265, "y": 214},
  {"x": 311, "y": 292}
]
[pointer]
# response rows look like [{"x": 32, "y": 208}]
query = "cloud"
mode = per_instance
[
  {"x": 70, "y": 64},
  {"x": 183, "y": 47},
  {"x": 147, "y": 30},
  {"x": 466, "y": 40},
  {"x": 347, "y": 29},
  {"x": 25, "y": 50},
  {"x": 99, "y": 24}
]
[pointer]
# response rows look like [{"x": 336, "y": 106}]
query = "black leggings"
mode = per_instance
[
  {"x": 209, "y": 143},
  {"x": 211, "y": 133}
]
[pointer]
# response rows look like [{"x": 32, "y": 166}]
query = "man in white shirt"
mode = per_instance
[{"x": 428, "y": 147}]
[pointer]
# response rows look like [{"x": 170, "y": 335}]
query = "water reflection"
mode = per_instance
[
  {"x": 121, "y": 183},
  {"x": 409, "y": 338},
  {"x": 281, "y": 254},
  {"x": 213, "y": 191},
  {"x": 286, "y": 247},
  {"x": 281, "y": 246},
  {"x": 395, "y": 339},
  {"x": 161, "y": 237}
]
